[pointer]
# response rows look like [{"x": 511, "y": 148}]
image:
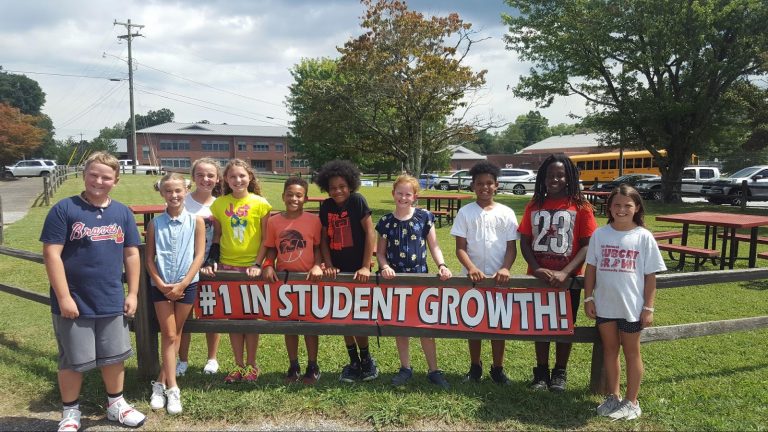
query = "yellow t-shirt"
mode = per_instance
[{"x": 240, "y": 221}]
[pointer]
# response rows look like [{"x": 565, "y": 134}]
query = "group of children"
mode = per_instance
[{"x": 200, "y": 232}]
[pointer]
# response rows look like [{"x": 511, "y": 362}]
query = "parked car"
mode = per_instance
[
  {"x": 517, "y": 180},
  {"x": 427, "y": 181},
  {"x": 630, "y": 179},
  {"x": 452, "y": 181},
  {"x": 694, "y": 177},
  {"x": 30, "y": 168},
  {"x": 126, "y": 166},
  {"x": 727, "y": 190}
]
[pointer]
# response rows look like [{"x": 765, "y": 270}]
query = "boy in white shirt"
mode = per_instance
[{"x": 486, "y": 235}]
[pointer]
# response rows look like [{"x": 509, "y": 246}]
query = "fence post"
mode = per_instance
[
  {"x": 2, "y": 222},
  {"x": 597, "y": 384},
  {"x": 744, "y": 195},
  {"x": 46, "y": 199},
  {"x": 145, "y": 328}
]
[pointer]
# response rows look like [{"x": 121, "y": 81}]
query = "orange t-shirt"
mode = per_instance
[{"x": 295, "y": 240}]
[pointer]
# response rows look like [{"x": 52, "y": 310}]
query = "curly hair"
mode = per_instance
[
  {"x": 571, "y": 176},
  {"x": 338, "y": 168},
  {"x": 484, "y": 167},
  {"x": 293, "y": 180},
  {"x": 628, "y": 191},
  {"x": 253, "y": 184}
]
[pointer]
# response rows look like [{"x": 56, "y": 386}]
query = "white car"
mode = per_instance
[
  {"x": 517, "y": 180},
  {"x": 30, "y": 168}
]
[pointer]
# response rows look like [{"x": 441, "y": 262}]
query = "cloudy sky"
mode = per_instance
[{"x": 225, "y": 61}]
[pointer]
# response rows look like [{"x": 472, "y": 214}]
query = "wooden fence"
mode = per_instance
[{"x": 146, "y": 329}]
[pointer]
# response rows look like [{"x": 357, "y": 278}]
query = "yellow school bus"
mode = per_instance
[{"x": 605, "y": 166}]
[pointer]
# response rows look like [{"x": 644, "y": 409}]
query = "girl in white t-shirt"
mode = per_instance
[
  {"x": 206, "y": 173},
  {"x": 619, "y": 288}
]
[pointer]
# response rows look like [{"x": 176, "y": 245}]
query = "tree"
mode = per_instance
[
  {"x": 533, "y": 126},
  {"x": 152, "y": 118},
  {"x": 653, "y": 72},
  {"x": 21, "y": 92},
  {"x": 395, "y": 90},
  {"x": 19, "y": 134}
]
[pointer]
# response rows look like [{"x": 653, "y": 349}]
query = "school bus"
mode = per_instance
[{"x": 605, "y": 166}]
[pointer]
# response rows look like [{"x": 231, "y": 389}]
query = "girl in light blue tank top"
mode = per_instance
[{"x": 174, "y": 253}]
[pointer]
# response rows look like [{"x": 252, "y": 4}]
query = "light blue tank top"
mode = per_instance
[{"x": 175, "y": 246}]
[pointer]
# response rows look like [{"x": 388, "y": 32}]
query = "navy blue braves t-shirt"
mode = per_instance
[{"x": 93, "y": 241}]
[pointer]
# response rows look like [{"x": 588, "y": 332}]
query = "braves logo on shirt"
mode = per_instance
[{"x": 99, "y": 233}]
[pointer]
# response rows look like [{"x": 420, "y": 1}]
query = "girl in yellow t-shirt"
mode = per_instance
[{"x": 240, "y": 219}]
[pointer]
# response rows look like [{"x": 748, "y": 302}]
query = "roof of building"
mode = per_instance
[
  {"x": 463, "y": 153},
  {"x": 564, "y": 142},
  {"x": 121, "y": 144},
  {"x": 216, "y": 129}
]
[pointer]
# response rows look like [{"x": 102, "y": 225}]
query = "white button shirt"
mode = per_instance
[{"x": 487, "y": 233}]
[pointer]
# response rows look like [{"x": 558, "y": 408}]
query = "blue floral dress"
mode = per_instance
[{"x": 407, "y": 240}]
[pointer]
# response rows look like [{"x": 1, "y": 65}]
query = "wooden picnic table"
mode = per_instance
[
  {"x": 148, "y": 210},
  {"x": 729, "y": 222},
  {"x": 598, "y": 200},
  {"x": 452, "y": 205}
]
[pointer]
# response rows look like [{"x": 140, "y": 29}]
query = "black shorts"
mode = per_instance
[
  {"x": 575, "y": 302},
  {"x": 623, "y": 325}
]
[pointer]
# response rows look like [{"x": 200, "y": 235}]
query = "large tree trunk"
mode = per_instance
[{"x": 671, "y": 175}]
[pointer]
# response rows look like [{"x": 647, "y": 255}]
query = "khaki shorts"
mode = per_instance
[{"x": 88, "y": 343}]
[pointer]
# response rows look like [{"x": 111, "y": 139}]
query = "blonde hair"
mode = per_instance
[
  {"x": 253, "y": 184},
  {"x": 407, "y": 179},
  {"x": 172, "y": 176},
  {"x": 103, "y": 158},
  {"x": 206, "y": 160}
]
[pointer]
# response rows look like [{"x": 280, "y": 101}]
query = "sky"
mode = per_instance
[{"x": 225, "y": 61}]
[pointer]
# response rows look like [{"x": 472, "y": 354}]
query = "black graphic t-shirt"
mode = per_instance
[{"x": 346, "y": 238}]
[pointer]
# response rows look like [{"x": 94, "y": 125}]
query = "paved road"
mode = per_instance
[{"x": 18, "y": 195}]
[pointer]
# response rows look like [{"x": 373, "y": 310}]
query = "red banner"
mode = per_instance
[{"x": 486, "y": 310}]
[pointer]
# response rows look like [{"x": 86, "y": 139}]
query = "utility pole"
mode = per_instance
[{"x": 129, "y": 36}]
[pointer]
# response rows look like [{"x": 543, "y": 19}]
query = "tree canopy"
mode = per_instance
[
  {"x": 151, "y": 118},
  {"x": 395, "y": 92},
  {"x": 654, "y": 72},
  {"x": 19, "y": 134},
  {"x": 21, "y": 92}
]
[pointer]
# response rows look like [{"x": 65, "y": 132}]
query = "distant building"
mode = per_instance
[
  {"x": 177, "y": 145},
  {"x": 532, "y": 156},
  {"x": 464, "y": 158},
  {"x": 121, "y": 148}
]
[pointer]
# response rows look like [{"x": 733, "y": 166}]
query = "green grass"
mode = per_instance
[{"x": 714, "y": 382}]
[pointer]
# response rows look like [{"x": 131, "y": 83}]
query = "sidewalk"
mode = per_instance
[{"x": 18, "y": 195}]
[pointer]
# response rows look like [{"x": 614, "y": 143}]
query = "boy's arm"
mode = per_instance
[
  {"x": 132, "y": 263},
  {"x": 255, "y": 270},
  {"x": 649, "y": 294},
  {"x": 559, "y": 277},
  {"x": 437, "y": 255},
  {"x": 589, "y": 289},
  {"x": 510, "y": 254},
  {"x": 316, "y": 272},
  {"x": 330, "y": 270},
  {"x": 364, "y": 272},
  {"x": 473, "y": 272},
  {"x": 530, "y": 258},
  {"x": 381, "y": 256},
  {"x": 54, "y": 266},
  {"x": 268, "y": 270}
]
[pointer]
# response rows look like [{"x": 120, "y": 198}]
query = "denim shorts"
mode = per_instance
[
  {"x": 88, "y": 343},
  {"x": 189, "y": 294}
]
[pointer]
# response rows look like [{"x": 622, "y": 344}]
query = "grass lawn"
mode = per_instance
[{"x": 715, "y": 382}]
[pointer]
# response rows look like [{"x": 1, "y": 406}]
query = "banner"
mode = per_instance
[{"x": 534, "y": 311}]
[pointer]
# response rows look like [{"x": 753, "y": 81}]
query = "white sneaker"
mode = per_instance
[
  {"x": 70, "y": 420},
  {"x": 181, "y": 368},
  {"x": 157, "y": 400},
  {"x": 121, "y": 412},
  {"x": 609, "y": 405},
  {"x": 211, "y": 367},
  {"x": 174, "y": 400},
  {"x": 626, "y": 411}
]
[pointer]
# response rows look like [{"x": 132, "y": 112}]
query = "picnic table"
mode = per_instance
[
  {"x": 148, "y": 210},
  {"x": 597, "y": 199},
  {"x": 729, "y": 222},
  {"x": 449, "y": 203}
]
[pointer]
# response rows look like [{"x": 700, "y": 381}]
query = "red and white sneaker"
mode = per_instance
[
  {"x": 70, "y": 420},
  {"x": 121, "y": 411}
]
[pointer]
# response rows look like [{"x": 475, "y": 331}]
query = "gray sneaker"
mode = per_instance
[
  {"x": 626, "y": 411},
  {"x": 437, "y": 378},
  {"x": 609, "y": 405},
  {"x": 402, "y": 377}
]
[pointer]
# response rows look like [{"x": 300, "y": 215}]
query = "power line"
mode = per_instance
[{"x": 64, "y": 75}]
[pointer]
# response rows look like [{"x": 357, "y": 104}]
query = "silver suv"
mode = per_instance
[
  {"x": 30, "y": 168},
  {"x": 727, "y": 190}
]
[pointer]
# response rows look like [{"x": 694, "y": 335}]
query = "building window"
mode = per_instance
[
  {"x": 261, "y": 147},
  {"x": 145, "y": 152},
  {"x": 279, "y": 147},
  {"x": 175, "y": 162},
  {"x": 174, "y": 145},
  {"x": 242, "y": 146},
  {"x": 215, "y": 146},
  {"x": 279, "y": 164},
  {"x": 299, "y": 163},
  {"x": 259, "y": 165},
  {"x": 222, "y": 161}
]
